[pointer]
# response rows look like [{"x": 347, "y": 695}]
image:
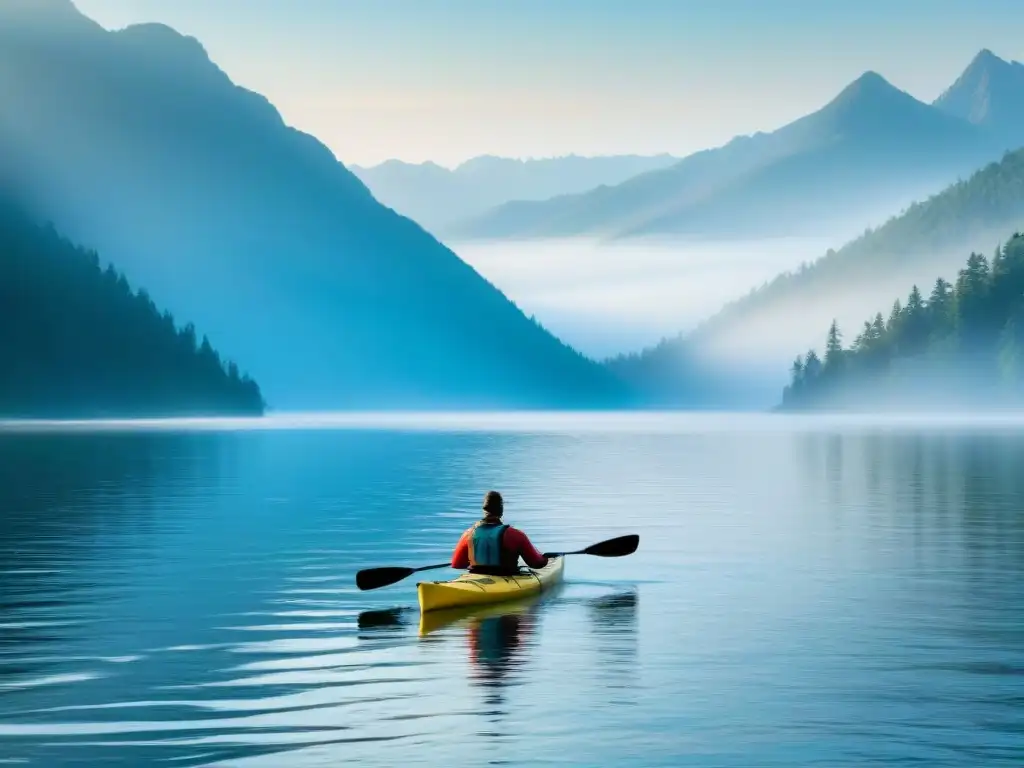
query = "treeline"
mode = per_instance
[
  {"x": 962, "y": 345},
  {"x": 77, "y": 342}
]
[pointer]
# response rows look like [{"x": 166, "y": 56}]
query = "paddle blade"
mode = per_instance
[
  {"x": 620, "y": 547},
  {"x": 375, "y": 578}
]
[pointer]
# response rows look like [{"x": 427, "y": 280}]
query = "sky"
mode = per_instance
[{"x": 446, "y": 80}]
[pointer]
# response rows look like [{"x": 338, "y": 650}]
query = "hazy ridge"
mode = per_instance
[
  {"x": 872, "y": 148},
  {"x": 134, "y": 143},
  {"x": 438, "y": 198}
]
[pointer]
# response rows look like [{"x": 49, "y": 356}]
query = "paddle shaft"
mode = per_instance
[
  {"x": 432, "y": 567},
  {"x": 375, "y": 578}
]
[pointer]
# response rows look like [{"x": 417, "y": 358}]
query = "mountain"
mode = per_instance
[
  {"x": 81, "y": 343},
  {"x": 870, "y": 150},
  {"x": 962, "y": 346},
  {"x": 746, "y": 346},
  {"x": 436, "y": 197},
  {"x": 137, "y": 145},
  {"x": 989, "y": 93}
]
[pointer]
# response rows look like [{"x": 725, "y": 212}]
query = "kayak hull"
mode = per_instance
[
  {"x": 432, "y": 621},
  {"x": 471, "y": 589}
]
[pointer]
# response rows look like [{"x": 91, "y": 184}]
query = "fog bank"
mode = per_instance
[{"x": 606, "y": 298}]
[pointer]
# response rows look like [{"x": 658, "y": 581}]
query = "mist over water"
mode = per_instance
[{"x": 606, "y": 298}]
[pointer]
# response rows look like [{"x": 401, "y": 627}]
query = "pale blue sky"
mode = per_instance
[{"x": 445, "y": 80}]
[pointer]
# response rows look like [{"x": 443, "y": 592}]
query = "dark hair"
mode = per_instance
[{"x": 493, "y": 503}]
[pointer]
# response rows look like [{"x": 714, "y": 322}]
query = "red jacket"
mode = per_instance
[{"x": 514, "y": 541}]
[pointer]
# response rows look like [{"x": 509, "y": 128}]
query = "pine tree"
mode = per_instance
[
  {"x": 796, "y": 372},
  {"x": 812, "y": 366},
  {"x": 834, "y": 348},
  {"x": 914, "y": 331},
  {"x": 894, "y": 328},
  {"x": 795, "y": 388},
  {"x": 972, "y": 293},
  {"x": 941, "y": 306}
]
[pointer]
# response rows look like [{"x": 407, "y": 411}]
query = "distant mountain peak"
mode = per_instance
[
  {"x": 986, "y": 59},
  {"x": 872, "y": 79},
  {"x": 870, "y": 86},
  {"x": 985, "y": 56},
  {"x": 871, "y": 101},
  {"x": 987, "y": 64},
  {"x": 989, "y": 92}
]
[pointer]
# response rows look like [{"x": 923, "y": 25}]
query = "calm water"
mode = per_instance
[{"x": 805, "y": 594}]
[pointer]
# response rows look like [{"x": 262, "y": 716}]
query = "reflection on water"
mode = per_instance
[
  {"x": 497, "y": 638},
  {"x": 495, "y": 649},
  {"x": 383, "y": 619},
  {"x": 800, "y": 598}
]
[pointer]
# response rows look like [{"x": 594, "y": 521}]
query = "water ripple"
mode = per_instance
[{"x": 801, "y": 597}]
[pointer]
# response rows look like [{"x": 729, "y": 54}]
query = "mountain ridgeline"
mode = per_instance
[
  {"x": 962, "y": 346},
  {"x": 871, "y": 150},
  {"x": 438, "y": 198},
  {"x": 135, "y": 144},
  {"x": 80, "y": 343}
]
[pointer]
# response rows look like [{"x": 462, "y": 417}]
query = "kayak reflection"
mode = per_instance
[
  {"x": 496, "y": 649},
  {"x": 499, "y": 637}
]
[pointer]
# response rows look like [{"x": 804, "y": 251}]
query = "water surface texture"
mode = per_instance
[{"x": 806, "y": 593}]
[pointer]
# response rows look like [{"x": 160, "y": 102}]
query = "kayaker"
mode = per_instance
[{"x": 493, "y": 547}]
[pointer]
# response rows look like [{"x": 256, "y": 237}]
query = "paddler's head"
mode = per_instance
[{"x": 494, "y": 506}]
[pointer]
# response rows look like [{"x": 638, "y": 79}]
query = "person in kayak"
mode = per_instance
[{"x": 493, "y": 547}]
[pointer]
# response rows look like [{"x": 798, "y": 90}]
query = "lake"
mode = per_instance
[{"x": 807, "y": 592}]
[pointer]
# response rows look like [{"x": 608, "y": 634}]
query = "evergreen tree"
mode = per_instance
[
  {"x": 894, "y": 325},
  {"x": 914, "y": 330},
  {"x": 797, "y": 371},
  {"x": 941, "y": 308},
  {"x": 796, "y": 375},
  {"x": 1007, "y": 290},
  {"x": 834, "y": 348},
  {"x": 972, "y": 293},
  {"x": 812, "y": 366}
]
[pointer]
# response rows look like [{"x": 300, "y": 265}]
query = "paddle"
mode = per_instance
[
  {"x": 619, "y": 547},
  {"x": 375, "y": 578}
]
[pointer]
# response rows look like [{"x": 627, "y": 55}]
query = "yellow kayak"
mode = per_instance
[{"x": 477, "y": 589}]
